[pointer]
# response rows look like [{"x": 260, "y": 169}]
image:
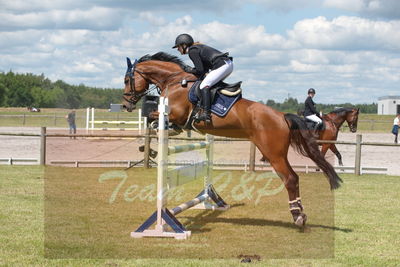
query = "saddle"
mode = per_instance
[
  {"x": 223, "y": 88},
  {"x": 223, "y": 97},
  {"x": 311, "y": 125}
]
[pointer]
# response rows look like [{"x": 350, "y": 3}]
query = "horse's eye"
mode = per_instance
[{"x": 126, "y": 81}]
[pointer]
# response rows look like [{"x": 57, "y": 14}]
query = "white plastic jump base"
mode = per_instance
[{"x": 161, "y": 233}]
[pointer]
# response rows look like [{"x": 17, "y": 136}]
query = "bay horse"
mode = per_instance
[
  {"x": 333, "y": 121},
  {"x": 270, "y": 130}
]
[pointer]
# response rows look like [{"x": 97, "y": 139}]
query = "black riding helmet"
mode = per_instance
[
  {"x": 311, "y": 91},
  {"x": 183, "y": 39}
]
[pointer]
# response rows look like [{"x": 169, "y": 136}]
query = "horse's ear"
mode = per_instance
[
  {"x": 128, "y": 62},
  {"x": 358, "y": 110}
]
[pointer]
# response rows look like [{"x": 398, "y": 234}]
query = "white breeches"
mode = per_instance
[
  {"x": 314, "y": 118},
  {"x": 217, "y": 75}
]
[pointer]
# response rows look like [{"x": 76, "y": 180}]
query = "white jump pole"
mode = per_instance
[
  {"x": 140, "y": 120},
  {"x": 92, "y": 119},
  {"x": 162, "y": 170}
]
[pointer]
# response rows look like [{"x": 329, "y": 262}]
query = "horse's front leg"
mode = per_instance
[
  {"x": 324, "y": 149},
  {"x": 153, "y": 115},
  {"x": 337, "y": 153},
  {"x": 171, "y": 116}
]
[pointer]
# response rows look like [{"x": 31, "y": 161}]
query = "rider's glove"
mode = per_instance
[{"x": 188, "y": 69}]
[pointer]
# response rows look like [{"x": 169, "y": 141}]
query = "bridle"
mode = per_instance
[
  {"x": 133, "y": 96},
  {"x": 352, "y": 123}
]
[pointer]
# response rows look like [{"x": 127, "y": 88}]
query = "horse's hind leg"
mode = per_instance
[
  {"x": 291, "y": 181},
  {"x": 276, "y": 153}
]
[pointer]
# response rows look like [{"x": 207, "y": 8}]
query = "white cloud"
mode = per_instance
[
  {"x": 86, "y": 44},
  {"x": 95, "y": 18},
  {"x": 152, "y": 19},
  {"x": 348, "y": 33},
  {"x": 286, "y": 5},
  {"x": 374, "y": 8},
  {"x": 217, "y": 6}
]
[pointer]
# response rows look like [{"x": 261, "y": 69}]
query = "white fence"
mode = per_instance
[
  {"x": 250, "y": 165},
  {"x": 105, "y": 125}
]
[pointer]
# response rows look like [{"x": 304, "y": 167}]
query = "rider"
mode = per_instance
[
  {"x": 205, "y": 58},
  {"x": 310, "y": 112}
]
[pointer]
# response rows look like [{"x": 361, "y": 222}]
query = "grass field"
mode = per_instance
[
  {"x": 365, "y": 230},
  {"x": 56, "y": 118}
]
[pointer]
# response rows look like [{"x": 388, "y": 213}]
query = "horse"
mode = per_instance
[
  {"x": 333, "y": 121},
  {"x": 270, "y": 130}
]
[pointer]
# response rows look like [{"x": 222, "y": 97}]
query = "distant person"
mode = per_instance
[
  {"x": 310, "y": 111},
  {"x": 396, "y": 126},
  {"x": 33, "y": 109},
  {"x": 71, "y": 121}
]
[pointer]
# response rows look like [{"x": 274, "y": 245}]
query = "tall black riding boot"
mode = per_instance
[
  {"x": 206, "y": 98},
  {"x": 316, "y": 129}
]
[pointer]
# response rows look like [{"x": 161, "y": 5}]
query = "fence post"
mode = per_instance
[
  {"x": 252, "y": 159},
  {"x": 357, "y": 169},
  {"x": 42, "y": 146},
  {"x": 147, "y": 141},
  {"x": 24, "y": 120}
]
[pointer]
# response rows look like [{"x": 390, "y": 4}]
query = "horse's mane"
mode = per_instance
[
  {"x": 162, "y": 56},
  {"x": 341, "y": 111}
]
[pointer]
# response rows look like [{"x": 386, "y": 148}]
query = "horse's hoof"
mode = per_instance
[{"x": 301, "y": 220}]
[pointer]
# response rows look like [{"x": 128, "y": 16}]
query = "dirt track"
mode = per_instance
[{"x": 228, "y": 152}]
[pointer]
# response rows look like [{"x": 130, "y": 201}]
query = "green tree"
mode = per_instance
[{"x": 3, "y": 91}]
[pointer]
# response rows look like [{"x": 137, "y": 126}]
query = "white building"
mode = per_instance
[{"x": 389, "y": 105}]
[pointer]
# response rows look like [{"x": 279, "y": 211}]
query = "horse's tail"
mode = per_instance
[{"x": 305, "y": 143}]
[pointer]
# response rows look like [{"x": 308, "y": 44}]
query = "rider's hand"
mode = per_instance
[{"x": 188, "y": 69}]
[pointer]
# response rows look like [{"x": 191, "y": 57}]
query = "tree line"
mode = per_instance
[
  {"x": 30, "y": 90},
  {"x": 292, "y": 105}
]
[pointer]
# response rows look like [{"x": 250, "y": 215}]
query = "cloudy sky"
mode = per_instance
[{"x": 348, "y": 50}]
